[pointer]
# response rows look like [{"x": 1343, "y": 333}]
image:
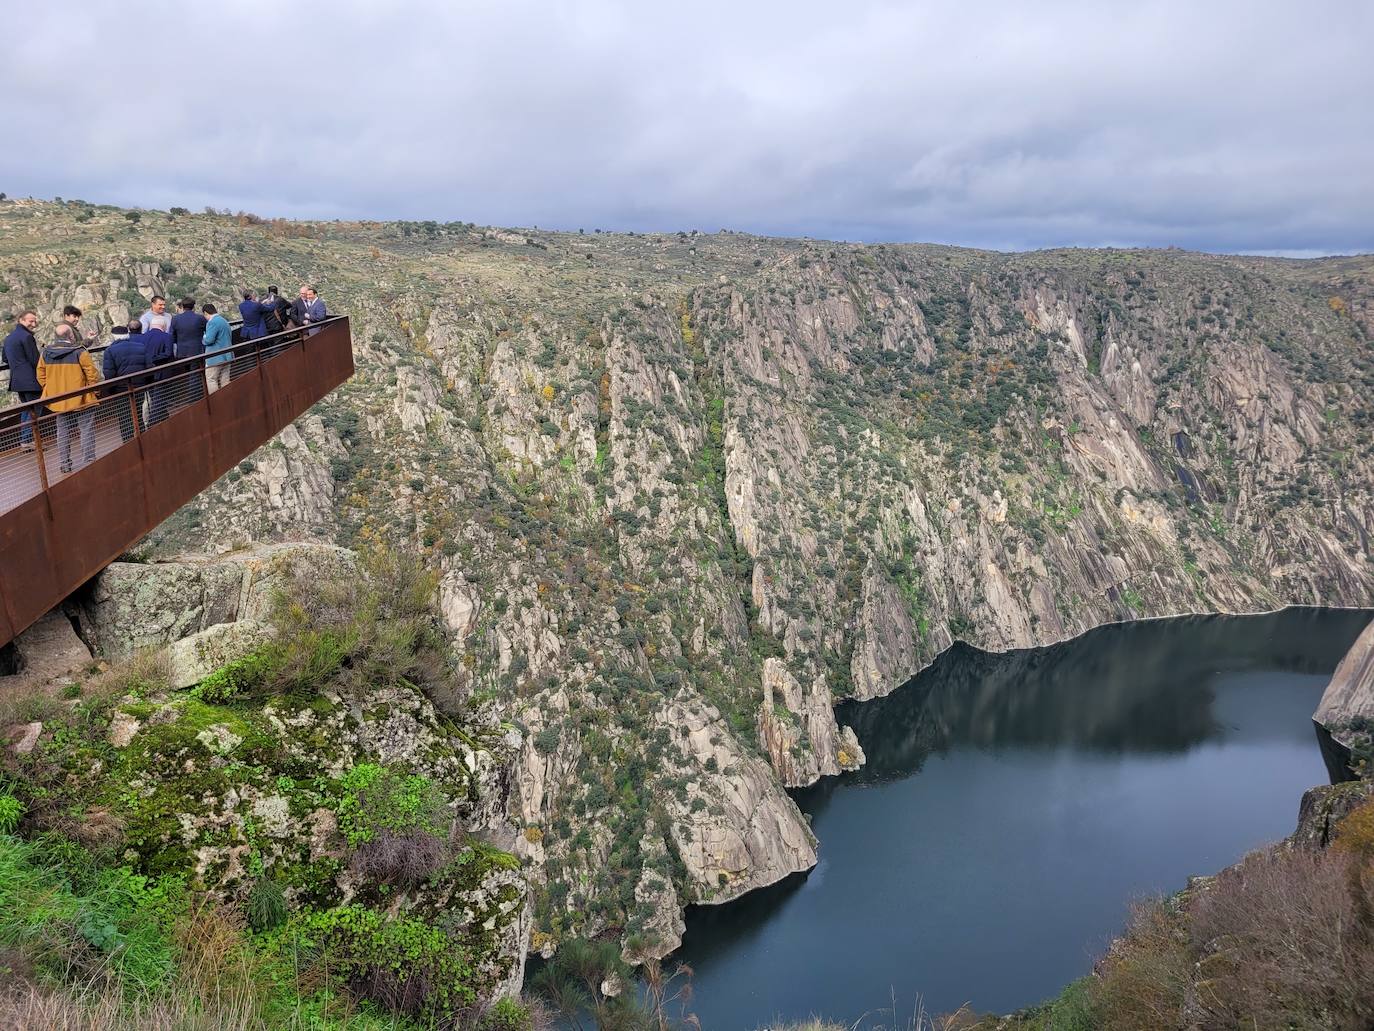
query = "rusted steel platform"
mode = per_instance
[{"x": 139, "y": 454}]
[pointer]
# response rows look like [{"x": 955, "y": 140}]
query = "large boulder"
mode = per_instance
[
  {"x": 194, "y": 658},
  {"x": 1325, "y": 806},
  {"x": 135, "y": 605}
]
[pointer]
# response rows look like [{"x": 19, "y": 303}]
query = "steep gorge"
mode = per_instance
[{"x": 685, "y": 491}]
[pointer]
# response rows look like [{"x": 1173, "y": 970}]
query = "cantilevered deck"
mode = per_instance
[{"x": 152, "y": 447}]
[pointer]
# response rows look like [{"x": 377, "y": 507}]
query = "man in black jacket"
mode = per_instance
[
  {"x": 157, "y": 349},
  {"x": 124, "y": 357},
  {"x": 188, "y": 340},
  {"x": 280, "y": 314},
  {"x": 21, "y": 355}
]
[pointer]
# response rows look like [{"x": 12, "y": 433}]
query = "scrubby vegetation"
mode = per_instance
[{"x": 250, "y": 853}]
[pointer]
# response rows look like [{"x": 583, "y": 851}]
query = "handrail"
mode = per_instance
[
  {"x": 158, "y": 372},
  {"x": 79, "y": 487},
  {"x": 233, "y": 324}
]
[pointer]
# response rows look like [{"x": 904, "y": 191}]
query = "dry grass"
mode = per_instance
[
  {"x": 146, "y": 671},
  {"x": 1287, "y": 942},
  {"x": 404, "y": 860},
  {"x": 30, "y": 1009}
]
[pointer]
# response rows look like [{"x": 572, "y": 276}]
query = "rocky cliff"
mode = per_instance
[
  {"x": 1346, "y": 710},
  {"x": 683, "y": 491}
]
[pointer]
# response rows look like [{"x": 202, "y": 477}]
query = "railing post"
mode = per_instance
[
  {"x": 38, "y": 452},
  {"x": 133, "y": 409}
]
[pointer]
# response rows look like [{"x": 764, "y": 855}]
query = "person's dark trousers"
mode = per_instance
[
  {"x": 26, "y": 418},
  {"x": 157, "y": 404},
  {"x": 126, "y": 417}
]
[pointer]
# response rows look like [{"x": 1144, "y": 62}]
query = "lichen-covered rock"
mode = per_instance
[
  {"x": 1325, "y": 806},
  {"x": 192, "y": 659},
  {"x": 135, "y": 605},
  {"x": 849, "y": 755}
]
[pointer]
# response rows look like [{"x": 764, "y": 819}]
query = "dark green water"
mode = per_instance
[{"x": 1014, "y": 805}]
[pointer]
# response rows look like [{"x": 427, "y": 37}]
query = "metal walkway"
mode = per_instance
[{"x": 78, "y": 489}]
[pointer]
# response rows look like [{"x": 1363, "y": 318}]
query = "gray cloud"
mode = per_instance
[{"x": 1217, "y": 125}]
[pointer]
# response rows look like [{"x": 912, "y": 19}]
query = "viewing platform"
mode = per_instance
[{"x": 81, "y": 494}]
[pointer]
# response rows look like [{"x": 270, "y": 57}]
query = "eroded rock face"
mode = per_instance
[
  {"x": 1347, "y": 706},
  {"x": 1325, "y": 806},
  {"x": 797, "y": 729},
  {"x": 750, "y": 833}
]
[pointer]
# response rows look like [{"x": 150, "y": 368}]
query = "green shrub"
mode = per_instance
[
  {"x": 1073, "y": 1009},
  {"x": 241, "y": 677},
  {"x": 266, "y": 904},
  {"x": 546, "y": 741},
  {"x": 405, "y": 965},
  {"x": 80, "y": 924},
  {"x": 11, "y": 809},
  {"x": 506, "y": 1015},
  {"x": 378, "y": 798}
]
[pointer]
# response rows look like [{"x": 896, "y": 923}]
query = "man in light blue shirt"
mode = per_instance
[
  {"x": 157, "y": 309},
  {"x": 218, "y": 337}
]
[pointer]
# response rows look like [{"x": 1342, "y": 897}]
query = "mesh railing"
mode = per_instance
[{"x": 39, "y": 446}]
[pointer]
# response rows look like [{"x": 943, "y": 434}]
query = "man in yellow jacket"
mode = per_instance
[{"x": 64, "y": 366}]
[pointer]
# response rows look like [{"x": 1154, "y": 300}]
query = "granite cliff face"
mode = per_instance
[
  {"x": 1346, "y": 711},
  {"x": 684, "y": 491}
]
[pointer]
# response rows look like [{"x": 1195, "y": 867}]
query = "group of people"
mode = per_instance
[{"x": 155, "y": 339}]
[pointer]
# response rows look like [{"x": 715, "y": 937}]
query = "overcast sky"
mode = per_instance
[{"x": 1004, "y": 123}]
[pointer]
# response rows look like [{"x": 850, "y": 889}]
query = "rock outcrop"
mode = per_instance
[
  {"x": 232, "y": 792},
  {"x": 135, "y": 605},
  {"x": 798, "y": 732},
  {"x": 1325, "y": 806},
  {"x": 1347, "y": 705}
]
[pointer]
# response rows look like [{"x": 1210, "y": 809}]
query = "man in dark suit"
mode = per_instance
[
  {"x": 157, "y": 349},
  {"x": 21, "y": 355},
  {"x": 253, "y": 314},
  {"x": 314, "y": 310},
  {"x": 298, "y": 308},
  {"x": 188, "y": 340}
]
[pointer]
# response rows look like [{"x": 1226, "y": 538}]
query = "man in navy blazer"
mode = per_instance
[
  {"x": 188, "y": 340},
  {"x": 254, "y": 316}
]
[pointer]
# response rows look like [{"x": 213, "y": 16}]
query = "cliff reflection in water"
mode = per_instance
[{"x": 1136, "y": 687}]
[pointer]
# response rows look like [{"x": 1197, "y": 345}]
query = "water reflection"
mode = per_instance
[{"x": 1136, "y": 687}]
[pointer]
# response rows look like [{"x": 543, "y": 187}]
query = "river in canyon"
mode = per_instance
[{"x": 1011, "y": 809}]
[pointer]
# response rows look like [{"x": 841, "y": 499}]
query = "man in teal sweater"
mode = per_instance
[{"x": 218, "y": 337}]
